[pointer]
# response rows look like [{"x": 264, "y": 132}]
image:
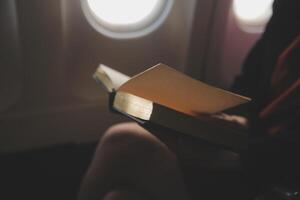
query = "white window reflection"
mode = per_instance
[
  {"x": 122, "y": 11},
  {"x": 252, "y": 15},
  {"x": 126, "y": 18}
]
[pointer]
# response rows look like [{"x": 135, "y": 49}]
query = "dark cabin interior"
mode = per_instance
[{"x": 52, "y": 112}]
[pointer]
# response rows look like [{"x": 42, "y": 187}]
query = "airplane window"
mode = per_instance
[
  {"x": 252, "y": 15},
  {"x": 126, "y": 18}
]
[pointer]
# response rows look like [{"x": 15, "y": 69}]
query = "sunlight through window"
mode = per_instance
[
  {"x": 122, "y": 11},
  {"x": 253, "y": 14},
  {"x": 126, "y": 18}
]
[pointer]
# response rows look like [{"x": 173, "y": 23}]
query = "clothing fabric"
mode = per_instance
[{"x": 271, "y": 77}]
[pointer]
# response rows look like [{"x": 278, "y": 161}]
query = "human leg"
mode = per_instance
[
  {"x": 129, "y": 157},
  {"x": 124, "y": 195}
]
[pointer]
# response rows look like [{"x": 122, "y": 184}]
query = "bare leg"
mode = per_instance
[
  {"x": 123, "y": 195},
  {"x": 129, "y": 158}
]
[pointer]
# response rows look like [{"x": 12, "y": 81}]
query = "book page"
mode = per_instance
[
  {"x": 110, "y": 78},
  {"x": 166, "y": 86}
]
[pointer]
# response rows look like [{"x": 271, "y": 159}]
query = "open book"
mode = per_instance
[{"x": 166, "y": 97}]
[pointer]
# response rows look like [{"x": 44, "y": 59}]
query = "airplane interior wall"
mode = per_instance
[
  {"x": 49, "y": 52},
  {"x": 52, "y": 98},
  {"x": 229, "y": 46}
]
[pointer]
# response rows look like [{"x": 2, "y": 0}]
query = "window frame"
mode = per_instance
[{"x": 129, "y": 31}]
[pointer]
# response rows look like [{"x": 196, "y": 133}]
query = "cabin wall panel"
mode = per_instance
[{"x": 52, "y": 97}]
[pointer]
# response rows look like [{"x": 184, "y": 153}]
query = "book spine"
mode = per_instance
[{"x": 111, "y": 99}]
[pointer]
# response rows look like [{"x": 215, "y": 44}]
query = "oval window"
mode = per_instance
[
  {"x": 126, "y": 18},
  {"x": 252, "y": 15}
]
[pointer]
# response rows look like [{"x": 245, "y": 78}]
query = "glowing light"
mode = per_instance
[
  {"x": 253, "y": 12},
  {"x": 122, "y": 12}
]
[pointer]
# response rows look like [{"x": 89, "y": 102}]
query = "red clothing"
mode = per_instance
[{"x": 285, "y": 83}]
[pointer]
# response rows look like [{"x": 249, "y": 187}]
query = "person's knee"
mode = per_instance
[
  {"x": 123, "y": 195},
  {"x": 124, "y": 134},
  {"x": 128, "y": 154},
  {"x": 130, "y": 141}
]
